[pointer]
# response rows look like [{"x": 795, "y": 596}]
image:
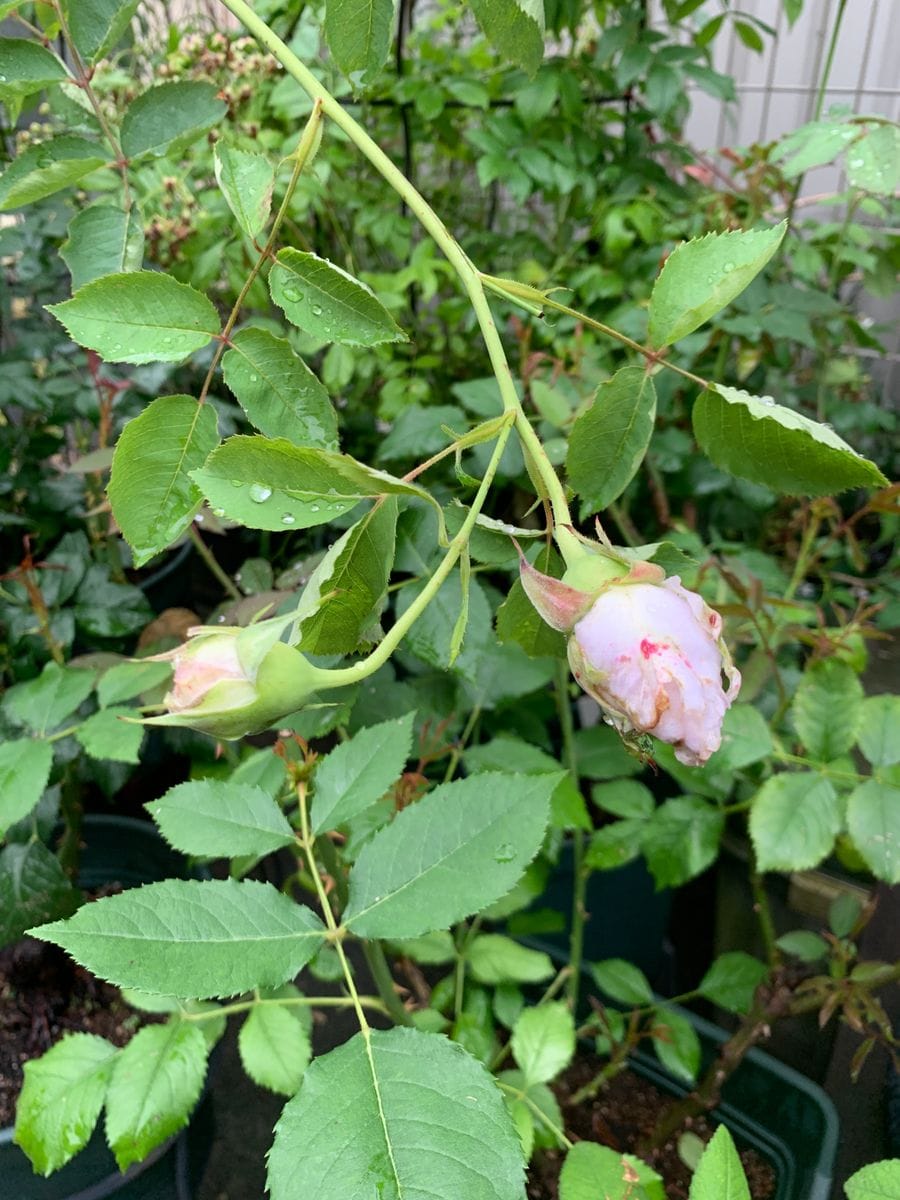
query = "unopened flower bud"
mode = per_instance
[
  {"x": 648, "y": 650},
  {"x": 231, "y": 681}
]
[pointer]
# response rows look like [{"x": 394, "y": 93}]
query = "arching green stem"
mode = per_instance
[{"x": 468, "y": 275}]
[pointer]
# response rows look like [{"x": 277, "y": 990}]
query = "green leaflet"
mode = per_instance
[
  {"x": 591, "y": 1171},
  {"x": 107, "y": 735},
  {"x": 873, "y": 821},
  {"x": 24, "y": 771},
  {"x": 719, "y": 1174},
  {"x": 608, "y": 441},
  {"x": 156, "y": 1081},
  {"x": 400, "y": 1114},
  {"x": 97, "y": 25},
  {"x": 192, "y": 938},
  {"x": 460, "y": 848},
  {"x": 352, "y": 579},
  {"x": 515, "y": 28},
  {"x": 357, "y": 773},
  {"x": 212, "y": 818},
  {"x": 277, "y": 390},
  {"x": 757, "y": 439},
  {"x": 25, "y": 68},
  {"x": 268, "y": 483},
  {"x": 138, "y": 317},
  {"x": 543, "y": 1041},
  {"x": 169, "y": 117},
  {"x": 359, "y": 34},
  {"x": 275, "y": 1047},
  {"x": 701, "y": 276},
  {"x": 247, "y": 181},
  {"x": 828, "y": 709},
  {"x": 61, "y": 1099},
  {"x": 794, "y": 820},
  {"x": 44, "y": 703},
  {"x": 33, "y": 887},
  {"x": 327, "y": 303},
  {"x": 102, "y": 240},
  {"x": 151, "y": 491},
  {"x": 49, "y": 167}
]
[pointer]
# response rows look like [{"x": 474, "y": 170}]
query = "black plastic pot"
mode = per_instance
[
  {"x": 168, "y": 586},
  {"x": 628, "y": 917},
  {"x": 770, "y": 1107},
  {"x": 767, "y": 1106},
  {"x": 118, "y": 849}
]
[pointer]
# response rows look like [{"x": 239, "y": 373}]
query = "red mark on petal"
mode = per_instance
[{"x": 649, "y": 648}]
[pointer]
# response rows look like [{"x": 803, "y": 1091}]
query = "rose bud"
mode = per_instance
[
  {"x": 648, "y": 650},
  {"x": 230, "y": 681}
]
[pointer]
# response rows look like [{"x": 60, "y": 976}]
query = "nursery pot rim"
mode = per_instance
[{"x": 729, "y": 1112}]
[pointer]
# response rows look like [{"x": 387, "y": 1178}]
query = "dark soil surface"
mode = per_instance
[
  {"x": 44, "y": 995},
  {"x": 620, "y": 1117}
]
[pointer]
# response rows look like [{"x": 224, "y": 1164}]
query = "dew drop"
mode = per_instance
[
  {"x": 767, "y": 401},
  {"x": 314, "y": 508},
  {"x": 237, "y": 483},
  {"x": 316, "y": 310},
  {"x": 288, "y": 519},
  {"x": 259, "y": 493},
  {"x": 728, "y": 266},
  {"x": 218, "y": 512},
  {"x": 504, "y": 853},
  {"x": 254, "y": 379},
  {"x": 292, "y": 292}
]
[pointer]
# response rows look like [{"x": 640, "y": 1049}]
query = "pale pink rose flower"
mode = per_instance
[
  {"x": 651, "y": 655},
  {"x": 199, "y": 665}
]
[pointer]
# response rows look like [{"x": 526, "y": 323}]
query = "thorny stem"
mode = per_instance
[
  {"x": 463, "y": 740},
  {"x": 39, "y": 608},
  {"x": 579, "y": 870},
  {"x": 307, "y": 146},
  {"x": 781, "y": 1001},
  {"x": 469, "y": 276},
  {"x": 336, "y": 932},
  {"x": 212, "y": 562},
  {"x": 462, "y": 947},
  {"x": 764, "y": 912},
  {"x": 804, "y": 554},
  {"x": 84, "y": 82},
  {"x": 384, "y": 981}
]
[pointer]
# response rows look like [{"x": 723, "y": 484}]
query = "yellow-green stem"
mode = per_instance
[{"x": 468, "y": 274}]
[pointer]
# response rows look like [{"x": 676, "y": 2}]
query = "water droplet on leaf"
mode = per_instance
[
  {"x": 259, "y": 493},
  {"x": 287, "y": 519},
  {"x": 504, "y": 853}
]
